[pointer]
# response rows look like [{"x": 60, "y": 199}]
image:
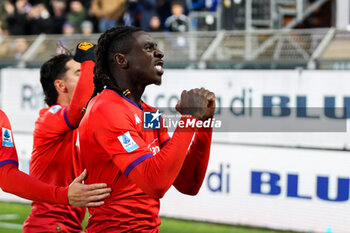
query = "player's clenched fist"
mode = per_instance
[
  {"x": 199, "y": 103},
  {"x": 84, "y": 52}
]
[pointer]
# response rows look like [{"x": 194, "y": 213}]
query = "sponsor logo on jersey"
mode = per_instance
[
  {"x": 7, "y": 140},
  {"x": 154, "y": 146},
  {"x": 55, "y": 109},
  {"x": 151, "y": 120},
  {"x": 127, "y": 142}
]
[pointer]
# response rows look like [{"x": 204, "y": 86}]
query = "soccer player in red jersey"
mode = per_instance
[
  {"x": 67, "y": 83},
  {"x": 139, "y": 165},
  {"x": 16, "y": 182}
]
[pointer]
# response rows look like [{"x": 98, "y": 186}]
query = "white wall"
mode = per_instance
[{"x": 227, "y": 197}]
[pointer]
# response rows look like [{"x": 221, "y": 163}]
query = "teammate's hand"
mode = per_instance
[
  {"x": 84, "y": 52},
  {"x": 199, "y": 103},
  {"x": 91, "y": 195}
]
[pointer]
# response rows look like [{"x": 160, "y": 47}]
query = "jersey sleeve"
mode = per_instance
[
  {"x": 131, "y": 154},
  {"x": 193, "y": 171},
  {"x": 60, "y": 119},
  {"x": 165, "y": 166},
  {"x": 81, "y": 95},
  {"x": 8, "y": 153},
  {"x": 16, "y": 182},
  {"x": 53, "y": 122},
  {"x": 163, "y": 134}
]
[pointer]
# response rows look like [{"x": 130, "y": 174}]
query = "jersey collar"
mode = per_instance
[{"x": 129, "y": 100}]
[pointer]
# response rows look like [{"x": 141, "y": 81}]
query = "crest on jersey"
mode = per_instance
[
  {"x": 55, "y": 109},
  {"x": 127, "y": 142},
  {"x": 7, "y": 140},
  {"x": 85, "y": 46}
]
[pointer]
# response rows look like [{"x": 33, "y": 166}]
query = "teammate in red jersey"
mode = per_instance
[
  {"x": 16, "y": 182},
  {"x": 67, "y": 85},
  {"x": 139, "y": 165}
]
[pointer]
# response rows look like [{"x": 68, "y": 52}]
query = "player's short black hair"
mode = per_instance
[
  {"x": 50, "y": 71},
  {"x": 112, "y": 41}
]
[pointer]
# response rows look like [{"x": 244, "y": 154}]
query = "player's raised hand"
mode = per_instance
[
  {"x": 199, "y": 103},
  {"x": 91, "y": 195},
  {"x": 209, "y": 113},
  {"x": 84, "y": 52}
]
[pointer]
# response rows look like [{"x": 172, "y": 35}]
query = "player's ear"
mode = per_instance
[
  {"x": 60, "y": 86},
  {"x": 121, "y": 60}
]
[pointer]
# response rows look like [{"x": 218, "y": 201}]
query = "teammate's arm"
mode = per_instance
[
  {"x": 85, "y": 55},
  {"x": 16, "y": 182}
]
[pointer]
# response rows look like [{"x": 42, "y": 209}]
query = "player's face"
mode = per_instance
[
  {"x": 71, "y": 76},
  {"x": 145, "y": 60}
]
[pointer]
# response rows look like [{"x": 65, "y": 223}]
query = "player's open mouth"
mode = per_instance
[{"x": 159, "y": 68}]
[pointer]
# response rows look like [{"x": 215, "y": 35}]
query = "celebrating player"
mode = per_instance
[
  {"x": 139, "y": 165},
  {"x": 16, "y": 182},
  {"x": 67, "y": 85}
]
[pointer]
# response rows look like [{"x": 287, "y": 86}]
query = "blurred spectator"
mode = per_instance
[
  {"x": 196, "y": 5},
  {"x": 211, "y": 5},
  {"x": 19, "y": 47},
  {"x": 87, "y": 4},
  {"x": 177, "y": 22},
  {"x": 17, "y": 19},
  {"x": 132, "y": 15},
  {"x": 87, "y": 28},
  {"x": 108, "y": 12},
  {"x": 206, "y": 5},
  {"x": 6, "y": 9},
  {"x": 58, "y": 11},
  {"x": 149, "y": 8},
  {"x": 39, "y": 19},
  {"x": 76, "y": 15},
  {"x": 163, "y": 10},
  {"x": 68, "y": 29},
  {"x": 14, "y": 49},
  {"x": 155, "y": 24}
]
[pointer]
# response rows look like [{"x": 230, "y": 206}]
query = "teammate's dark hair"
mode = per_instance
[
  {"x": 50, "y": 71},
  {"x": 112, "y": 41}
]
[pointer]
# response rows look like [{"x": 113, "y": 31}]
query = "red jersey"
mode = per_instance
[
  {"x": 16, "y": 182},
  {"x": 54, "y": 158},
  {"x": 8, "y": 154},
  {"x": 138, "y": 165}
]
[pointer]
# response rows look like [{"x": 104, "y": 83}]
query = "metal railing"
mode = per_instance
[
  {"x": 198, "y": 49},
  {"x": 279, "y": 9}
]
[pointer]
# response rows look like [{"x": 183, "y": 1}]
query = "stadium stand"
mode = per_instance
[
  {"x": 225, "y": 49},
  {"x": 266, "y": 35}
]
